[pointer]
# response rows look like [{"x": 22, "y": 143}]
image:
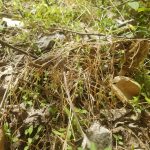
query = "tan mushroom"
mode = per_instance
[{"x": 125, "y": 88}]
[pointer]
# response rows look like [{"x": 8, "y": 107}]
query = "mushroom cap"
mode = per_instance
[{"x": 125, "y": 88}]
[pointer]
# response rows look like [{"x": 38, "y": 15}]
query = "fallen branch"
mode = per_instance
[
  {"x": 80, "y": 33},
  {"x": 17, "y": 49},
  {"x": 98, "y": 34}
]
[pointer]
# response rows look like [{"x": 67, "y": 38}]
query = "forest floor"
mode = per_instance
[{"x": 69, "y": 70}]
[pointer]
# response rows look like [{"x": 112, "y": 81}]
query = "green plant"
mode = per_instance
[
  {"x": 32, "y": 138},
  {"x": 7, "y": 129},
  {"x": 118, "y": 138}
]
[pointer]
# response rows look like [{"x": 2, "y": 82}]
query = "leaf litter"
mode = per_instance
[
  {"x": 64, "y": 98},
  {"x": 42, "y": 98}
]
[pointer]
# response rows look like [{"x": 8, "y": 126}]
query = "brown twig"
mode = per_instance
[
  {"x": 79, "y": 33},
  {"x": 17, "y": 49},
  {"x": 96, "y": 34}
]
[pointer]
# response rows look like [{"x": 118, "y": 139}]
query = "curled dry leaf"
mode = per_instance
[
  {"x": 135, "y": 56},
  {"x": 125, "y": 88}
]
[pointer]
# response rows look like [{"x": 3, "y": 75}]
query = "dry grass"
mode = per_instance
[{"x": 74, "y": 87}]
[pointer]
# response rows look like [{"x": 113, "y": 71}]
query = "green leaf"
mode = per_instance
[
  {"x": 115, "y": 136},
  {"x": 93, "y": 146},
  {"x": 82, "y": 111},
  {"x": 134, "y": 5},
  {"x": 29, "y": 103},
  {"x": 26, "y": 148},
  {"x": 36, "y": 137},
  {"x": 69, "y": 134},
  {"x": 39, "y": 129},
  {"x": 26, "y": 132},
  {"x": 133, "y": 28},
  {"x": 67, "y": 111},
  {"x": 58, "y": 133},
  {"x": 7, "y": 129},
  {"x": 29, "y": 141},
  {"x": 15, "y": 139},
  {"x": 53, "y": 110},
  {"x": 69, "y": 147},
  {"x": 147, "y": 99},
  {"x": 120, "y": 142},
  {"x": 30, "y": 130},
  {"x": 143, "y": 9}
]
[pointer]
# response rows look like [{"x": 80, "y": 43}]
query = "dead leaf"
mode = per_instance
[{"x": 134, "y": 56}]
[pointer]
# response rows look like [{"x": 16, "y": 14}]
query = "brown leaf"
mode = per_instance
[{"x": 134, "y": 56}]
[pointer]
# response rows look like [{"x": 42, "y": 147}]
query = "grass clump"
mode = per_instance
[{"x": 76, "y": 75}]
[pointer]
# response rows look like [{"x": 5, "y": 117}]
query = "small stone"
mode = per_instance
[{"x": 100, "y": 136}]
